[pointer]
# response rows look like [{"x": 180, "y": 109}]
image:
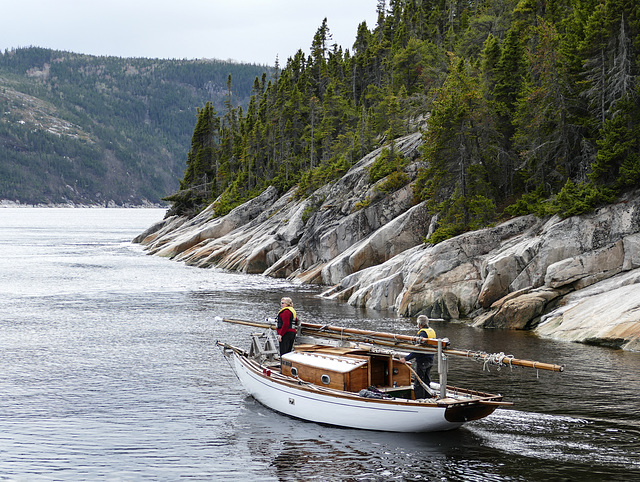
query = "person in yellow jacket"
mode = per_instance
[
  {"x": 286, "y": 326},
  {"x": 424, "y": 361}
]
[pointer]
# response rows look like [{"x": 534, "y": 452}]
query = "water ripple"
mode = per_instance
[{"x": 110, "y": 371}]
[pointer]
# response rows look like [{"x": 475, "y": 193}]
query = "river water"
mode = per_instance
[{"x": 109, "y": 371}]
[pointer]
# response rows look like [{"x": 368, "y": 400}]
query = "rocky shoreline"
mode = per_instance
[{"x": 575, "y": 279}]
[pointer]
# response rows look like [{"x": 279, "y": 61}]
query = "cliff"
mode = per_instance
[{"x": 575, "y": 279}]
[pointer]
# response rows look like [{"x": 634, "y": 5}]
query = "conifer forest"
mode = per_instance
[
  {"x": 84, "y": 129},
  {"x": 525, "y": 106}
]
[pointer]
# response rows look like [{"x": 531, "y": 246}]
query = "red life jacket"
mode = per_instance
[{"x": 292, "y": 323}]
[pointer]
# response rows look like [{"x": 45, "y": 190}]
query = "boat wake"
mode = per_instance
[{"x": 559, "y": 438}]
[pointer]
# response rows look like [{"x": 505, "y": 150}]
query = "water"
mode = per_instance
[{"x": 109, "y": 371}]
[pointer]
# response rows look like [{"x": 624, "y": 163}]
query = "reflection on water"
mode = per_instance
[
  {"x": 509, "y": 445},
  {"x": 110, "y": 370},
  {"x": 297, "y": 449}
]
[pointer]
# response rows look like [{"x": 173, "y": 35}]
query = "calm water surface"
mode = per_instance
[{"x": 109, "y": 370}]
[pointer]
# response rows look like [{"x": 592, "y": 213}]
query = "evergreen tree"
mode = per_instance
[
  {"x": 510, "y": 71},
  {"x": 491, "y": 55},
  {"x": 617, "y": 162},
  {"x": 547, "y": 139},
  {"x": 201, "y": 164},
  {"x": 459, "y": 148},
  {"x": 319, "y": 54}
]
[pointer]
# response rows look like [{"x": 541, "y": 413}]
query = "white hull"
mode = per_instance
[{"x": 322, "y": 405}]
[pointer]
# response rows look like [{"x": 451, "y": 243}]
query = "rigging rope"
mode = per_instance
[{"x": 497, "y": 359}]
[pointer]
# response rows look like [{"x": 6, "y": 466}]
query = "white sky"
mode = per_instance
[{"x": 253, "y": 31}]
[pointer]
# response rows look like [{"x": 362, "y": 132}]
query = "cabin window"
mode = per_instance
[
  {"x": 326, "y": 379},
  {"x": 294, "y": 372}
]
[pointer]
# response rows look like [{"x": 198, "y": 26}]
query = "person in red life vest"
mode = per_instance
[
  {"x": 424, "y": 361},
  {"x": 286, "y": 326}
]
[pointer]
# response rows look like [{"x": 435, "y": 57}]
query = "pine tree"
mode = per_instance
[
  {"x": 510, "y": 71},
  {"x": 491, "y": 54},
  {"x": 201, "y": 162},
  {"x": 546, "y": 137},
  {"x": 319, "y": 54},
  {"x": 460, "y": 148},
  {"x": 617, "y": 162}
]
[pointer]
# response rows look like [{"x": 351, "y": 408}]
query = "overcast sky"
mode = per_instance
[{"x": 253, "y": 31}]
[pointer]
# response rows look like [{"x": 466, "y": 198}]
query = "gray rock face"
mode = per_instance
[
  {"x": 606, "y": 313},
  {"x": 576, "y": 279},
  {"x": 298, "y": 238}
]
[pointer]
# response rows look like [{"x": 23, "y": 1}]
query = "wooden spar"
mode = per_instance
[
  {"x": 393, "y": 345},
  {"x": 499, "y": 359},
  {"x": 403, "y": 342},
  {"x": 256, "y": 324},
  {"x": 320, "y": 329},
  {"x": 504, "y": 360}
]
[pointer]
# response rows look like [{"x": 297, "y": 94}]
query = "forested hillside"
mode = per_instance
[
  {"x": 525, "y": 106},
  {"x": 92, "y": 130}
]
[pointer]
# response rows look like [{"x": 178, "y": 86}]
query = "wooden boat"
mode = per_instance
[{"x": 354, "y": 378}]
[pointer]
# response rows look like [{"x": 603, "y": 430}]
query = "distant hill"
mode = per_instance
[{"x": 93, "y": 130}]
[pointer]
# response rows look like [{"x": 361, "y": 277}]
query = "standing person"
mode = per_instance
[
  {"x": 286, "y": 327},
  {"x": 424, "y": 361}
]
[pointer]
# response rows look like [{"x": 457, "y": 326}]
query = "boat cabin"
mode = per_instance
[{"x": 345, "y": 369}]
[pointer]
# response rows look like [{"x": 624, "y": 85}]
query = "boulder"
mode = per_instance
[
  {"x": 519, "y": 311},
  {"x": 606, "y": 314},
  {"x": 380, "y": 295},
  {"x": 631, "y": 246},
  {"x": 389, "y": 240}
]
